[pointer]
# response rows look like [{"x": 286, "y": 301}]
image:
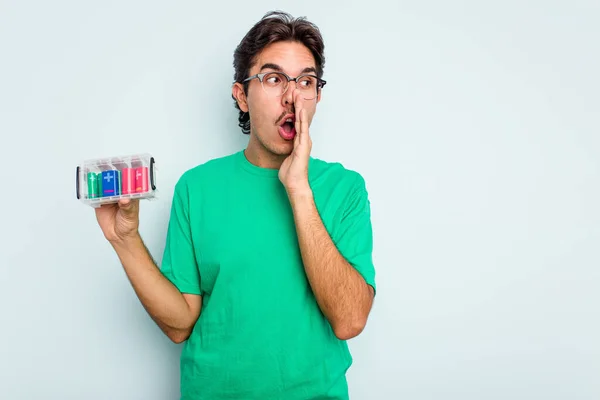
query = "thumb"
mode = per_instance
[{"x": 128, "y": 206}]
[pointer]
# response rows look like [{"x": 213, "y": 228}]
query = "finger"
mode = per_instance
[
  {"x": 304, "y": 123},
  {"x": 298, "y": 101},
  {"x": 298, "y": 128},
  {"x": 296, "y": 140},
  {"x": 299, "y": 132},
  {"x": 125, "y": 204},
  {"x": 302, "y": 116},
  {"x": 298, "y": 108},
  {"x": 304, "y": 150},
  {"x": 128, "y": 206}
]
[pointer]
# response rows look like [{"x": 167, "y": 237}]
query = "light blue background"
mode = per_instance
[{"x": 475, "y": 125}]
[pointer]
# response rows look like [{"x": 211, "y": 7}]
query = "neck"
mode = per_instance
[{"x": 258, "y": 155}]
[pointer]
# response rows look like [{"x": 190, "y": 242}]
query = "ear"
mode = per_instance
[
  {"x": 238, "y": 93},
  {"x": 319, "y": 96}
]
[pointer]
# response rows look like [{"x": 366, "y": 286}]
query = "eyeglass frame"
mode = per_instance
[{"x": 320, "y": 82}]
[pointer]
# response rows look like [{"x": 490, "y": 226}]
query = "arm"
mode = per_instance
[
  {"x": 172, "y": 296},
  {"x": 175, "y": 313},
  {"x": 341, "y": 292}
]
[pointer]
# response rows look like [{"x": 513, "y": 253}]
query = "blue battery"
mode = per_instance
[{"x": 110, "y": 183}]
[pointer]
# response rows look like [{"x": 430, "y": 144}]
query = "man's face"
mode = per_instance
[{"x": 269, "y": 112}]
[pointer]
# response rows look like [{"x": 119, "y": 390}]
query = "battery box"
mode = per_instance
[{"x": 106, "y": 180}]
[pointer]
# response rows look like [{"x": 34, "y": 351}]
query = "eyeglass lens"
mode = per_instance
[{"x": 275, "y": 84}]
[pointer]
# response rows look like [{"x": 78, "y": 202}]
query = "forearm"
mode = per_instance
[
  {"x": 341, "y": 292},
  {"x": 161, "y": 299}
]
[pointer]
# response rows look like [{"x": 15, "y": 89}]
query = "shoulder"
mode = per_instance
[
  {"x": 216, "y": 166},
  {"x": 208, "y": 172},
  {"x": 337, "y": 175}
]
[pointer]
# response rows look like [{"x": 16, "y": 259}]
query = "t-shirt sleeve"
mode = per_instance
[
  {"x": 179, "y": 263},
  {"x": 354, "y": 237}
]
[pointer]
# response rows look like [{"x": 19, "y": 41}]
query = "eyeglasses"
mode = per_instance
[{"x": 276, "y": 83}]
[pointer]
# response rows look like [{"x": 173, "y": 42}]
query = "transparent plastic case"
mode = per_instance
[{"x": 106, "y": 180}]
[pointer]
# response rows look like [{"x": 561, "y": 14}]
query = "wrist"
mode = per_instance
[
  {"x": 127, "y": 242},
  {"x": 299, "y": 189},
  {"x": 300, "y": 197}
]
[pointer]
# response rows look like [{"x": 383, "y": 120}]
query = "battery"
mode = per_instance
[
  {"x": 128, "y": 181},
  {"x": 92, "y": 185},
  {"x": 119, "y": 180},
  {"x": 107, "y": 180},
  {"x": 110, "y": 183},
  {"x": 141, "y": 179}
]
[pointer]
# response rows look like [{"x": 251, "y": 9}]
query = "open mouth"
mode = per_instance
[
  {"x": 288, "y": 125},
  {"x": 287, "y": 128}
]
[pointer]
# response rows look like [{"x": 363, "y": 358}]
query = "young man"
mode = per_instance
[{"x": 267, "y": 269}]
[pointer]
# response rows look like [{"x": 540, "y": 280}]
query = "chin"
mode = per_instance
[
  {"x": 276, "y": 145},
  {"x": 284, "y": 149},
  {"x": 280, "y": 146}
]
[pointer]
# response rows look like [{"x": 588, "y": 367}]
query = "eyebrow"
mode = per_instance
[{"x": 278, "y": 68}]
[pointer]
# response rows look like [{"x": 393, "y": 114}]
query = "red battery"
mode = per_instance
[
  {"x": 141, "y": 179},
  {"x": 128, "y": 181}
]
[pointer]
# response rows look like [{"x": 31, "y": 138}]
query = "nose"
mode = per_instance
[{"x": 288, "y": 96}]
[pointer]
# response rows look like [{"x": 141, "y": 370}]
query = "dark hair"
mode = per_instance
[{"x": 274, "y": 26}]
